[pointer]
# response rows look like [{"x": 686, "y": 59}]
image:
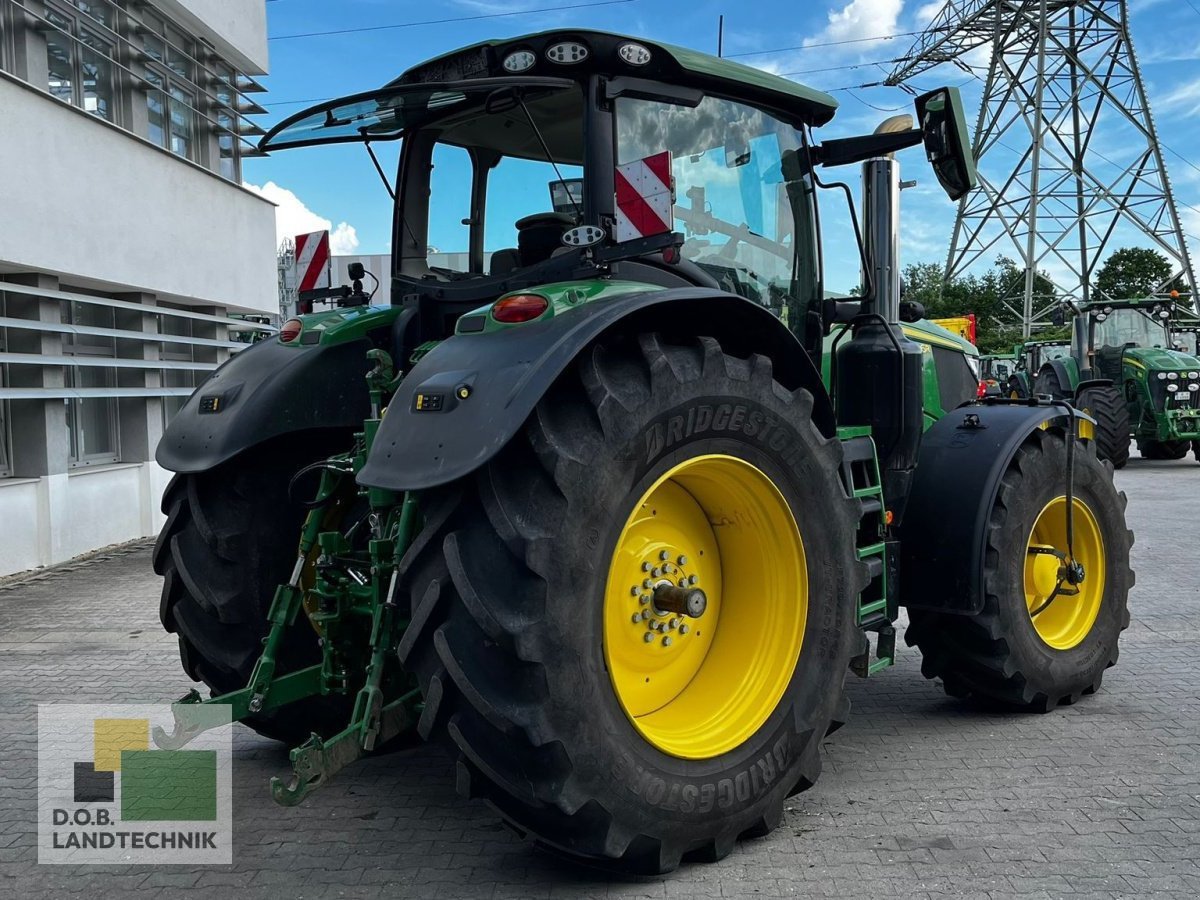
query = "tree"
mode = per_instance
[{"x": 1131, "y": 273}]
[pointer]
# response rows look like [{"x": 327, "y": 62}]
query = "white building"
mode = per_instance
[{"x": 126, "y": 242}]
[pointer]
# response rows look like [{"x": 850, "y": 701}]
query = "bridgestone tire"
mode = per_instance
[
  {"x": 1107, "y": 407},
  {"x": 997, "y": 655},
  {"x": 507, "y": 584},
  {"x": 229, "y": 540},
  {"x": 1164, "y": 449}
]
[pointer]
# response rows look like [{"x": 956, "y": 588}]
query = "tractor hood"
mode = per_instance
[{"x": 1154, "y": 359}]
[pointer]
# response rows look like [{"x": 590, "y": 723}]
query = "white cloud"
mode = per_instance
[
  {"x": 925, "y": 13},
  {"x": 859, "y": 20},
  {"x": 292, "y": 217}
]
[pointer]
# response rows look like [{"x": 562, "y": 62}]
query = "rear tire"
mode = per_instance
[
  {"x": 511, "y": 589},
  {"x": 999, "y": 654},
  {"x": 229, "y": 540},
  {"x": 1164, "y": 449}
]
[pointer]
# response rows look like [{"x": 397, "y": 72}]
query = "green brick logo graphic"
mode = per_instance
[{"x": 168, "y": 785}]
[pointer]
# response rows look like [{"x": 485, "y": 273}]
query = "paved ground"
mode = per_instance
[{"x": 920, "y": 796}]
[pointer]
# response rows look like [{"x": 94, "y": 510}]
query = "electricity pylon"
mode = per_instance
[{"x": 1069, "y": 158}]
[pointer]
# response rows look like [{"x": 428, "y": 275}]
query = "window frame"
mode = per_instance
[
  {"x": 163, "y": 79},
  {"x": 77, "y": 457},
  {"x": 80, "y": 23}
]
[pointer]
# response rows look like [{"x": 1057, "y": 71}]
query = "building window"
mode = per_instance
[
  {"x": 79, "y": 56},
  {"x": 177, "y": 378},
  {"x": 225, "y": 94},
  {"x": 5, "y": 433},
  {"x": 171, "y": 100},
  {"x": 92, "y": 425}
]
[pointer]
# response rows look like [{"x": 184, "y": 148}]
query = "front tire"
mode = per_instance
[
  {"x": 1018, "y": 650},
  {"x": 1151, "y": 449},
  {"x": 1107, "y": 406},
  {"x": 526, "y": 579}
]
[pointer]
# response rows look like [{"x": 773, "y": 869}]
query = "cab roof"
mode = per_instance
[{"x": 678, "y": 65}]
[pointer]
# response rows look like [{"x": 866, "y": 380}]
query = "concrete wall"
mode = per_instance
[
  {"x": 58, "y": 517},
  {"x": 236, "y": 28},
  {"x": 115, "y": 210}
]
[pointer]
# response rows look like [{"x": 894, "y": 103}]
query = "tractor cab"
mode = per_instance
[
  {"x": 553, "y": 157},
  {"x": 572, "y": 156}
]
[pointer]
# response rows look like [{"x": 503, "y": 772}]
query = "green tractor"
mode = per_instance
[
  {"x": 1121, "y": 370},
  {"x": 996, "y": 370},
  {"x": 582, "y": 507},
  {"x": 1030, "y": 357}
]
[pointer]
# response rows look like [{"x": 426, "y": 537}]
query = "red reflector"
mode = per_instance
[
  {"x": 290, "y": 330},
  {"x": 981, "y": 391},
  {"x": 519, "y": 308}
]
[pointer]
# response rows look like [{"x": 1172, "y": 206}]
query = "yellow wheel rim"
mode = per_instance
[
  {"x": 698, "y": 687},
  {"x": 1064, "y": 621}
]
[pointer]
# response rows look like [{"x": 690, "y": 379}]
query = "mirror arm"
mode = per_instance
[{"x": 842, "y": 151}]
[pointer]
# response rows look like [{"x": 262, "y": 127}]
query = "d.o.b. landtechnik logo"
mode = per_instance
[{"x": 107, "y": 794}]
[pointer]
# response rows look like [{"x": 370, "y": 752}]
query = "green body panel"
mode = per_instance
[
  {"x": 563, "y": 296},
  {"x": 711, "y": 70},
  {"x": 928, "y": 335},
  {"x": 348, "y": 323},
  {"x": 1159, "y": 421}
]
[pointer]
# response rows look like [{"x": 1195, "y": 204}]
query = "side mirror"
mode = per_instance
[
  {"x": 947, "y": 143},
  {"x": 356, "y": 271},
  {"x": 737, "y": 148},
  {"x": 911, "y": 311}
]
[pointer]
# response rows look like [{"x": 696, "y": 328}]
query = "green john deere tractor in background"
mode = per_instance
[
  {"x": 583, "y": 508},
  {"x": 995, "y": 370},
  {"x": 1030, "y": 357},
  {"x": 1122, "y": 370}
]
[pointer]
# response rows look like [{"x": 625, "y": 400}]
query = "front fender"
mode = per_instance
[
  {"x": 469, "y": 395},
  {"x": 1067, "y": 370},
  {"x": 944, "y": 532}
]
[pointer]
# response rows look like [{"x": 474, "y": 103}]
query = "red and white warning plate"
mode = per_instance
[{"x": 645, "y": 197}]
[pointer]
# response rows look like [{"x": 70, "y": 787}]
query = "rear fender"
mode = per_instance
[
  {"x": 944, "y": 531},
  {"x": 468, "y": 396},
  {"x": 265, "y": 391},
  {"x": 1067, "y": 371}
]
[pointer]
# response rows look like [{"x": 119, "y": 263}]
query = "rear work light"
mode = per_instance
[
  {"x": 290, "y": 330},
  {"x": 519, "y": 308}
]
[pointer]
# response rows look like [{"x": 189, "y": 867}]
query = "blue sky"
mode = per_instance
[{"x": 340, "y": 185}]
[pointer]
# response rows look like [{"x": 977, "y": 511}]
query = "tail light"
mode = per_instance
[
  {"x": 290, "y": 330},
  {"x": 981, "y": 391},
  {"x": 519, "y": 308}
]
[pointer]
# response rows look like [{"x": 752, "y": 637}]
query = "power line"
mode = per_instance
[
  {"x": 862, "y": 40},
  {"x": 497, "y": 15}
]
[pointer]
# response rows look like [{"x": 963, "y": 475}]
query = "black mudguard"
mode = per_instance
[
  {"x": 1064, "y": 374},
  {"x": 943, "y": 534},
  {"x": 266, "y": 391},
  {"x": 433, "y": 435}
]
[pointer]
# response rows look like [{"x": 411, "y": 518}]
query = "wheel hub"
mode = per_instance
[{"x": 705, "y": 606}]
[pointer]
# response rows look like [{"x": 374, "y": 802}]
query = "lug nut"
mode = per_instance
[
  {"x": 692, "y": 579},
  {"x": 669, "y": 569},
  {"x": 655, "y": 572},
  {"x": 683, "y": 629},
  {"x": 637, "y": 617},
  {"x": 644, "y": 599},
  {"x": 682, "y": 560},
  {"x": 664, "y": 555},
  {"x": 673, "y": 624},
  {"x": 648, "y": 637},
  {"x": 667, "y": 641},
  {"x": 645, "y": 567},
  {"x": 648, "y": 584},
  {"x": 683, "y": 582},
  {"x": 633, "y": 591}
]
